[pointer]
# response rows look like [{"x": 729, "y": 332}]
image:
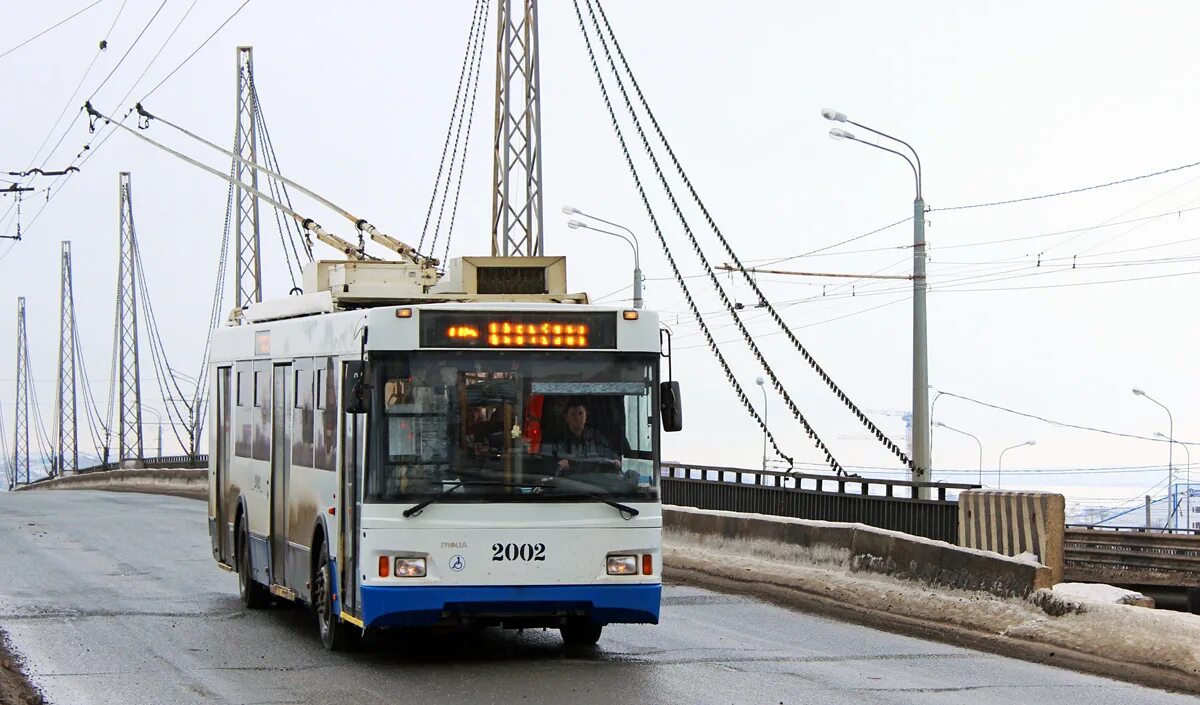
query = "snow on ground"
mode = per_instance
[{"x": 1117, "y": 632}]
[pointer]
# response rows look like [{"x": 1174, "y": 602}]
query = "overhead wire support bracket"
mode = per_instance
[
  {"x": 361, "y": 224},
  {"x": 346, "y": 247}
]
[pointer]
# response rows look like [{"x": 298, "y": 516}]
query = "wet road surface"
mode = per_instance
[{"x": 114, "y": 598}]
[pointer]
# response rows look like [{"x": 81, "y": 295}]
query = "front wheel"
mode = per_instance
[
  {"x": 254, "y": 595},
  {"x": 336, "y": 635},
  {"x": 578, "y": 632}
]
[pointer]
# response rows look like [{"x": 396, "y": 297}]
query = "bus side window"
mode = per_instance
[
  {"x": 325, "y": 444},
  {"x": 243, "y": 418},
  {"x": 262, "y": 411},
  {"x": 302, "y": 415}
]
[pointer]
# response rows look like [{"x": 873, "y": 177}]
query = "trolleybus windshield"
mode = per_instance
[{"x": 512, "y": 426}]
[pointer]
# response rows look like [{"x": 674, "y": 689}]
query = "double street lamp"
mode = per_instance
[
  {"x": 1000, "y": 462},
  {"x": 939, "y": 424},
  {"x": 920, "y": 403},
  {"x": 1187, "y": 474},
  {"x": 1170, "y": 453},
  {"x": 631, "y": 239}
]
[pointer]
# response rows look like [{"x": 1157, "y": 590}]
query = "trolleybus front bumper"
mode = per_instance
[{"x": 514, "y": 605}]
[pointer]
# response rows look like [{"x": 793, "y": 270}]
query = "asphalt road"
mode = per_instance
[{"x": 114, "y": 598}]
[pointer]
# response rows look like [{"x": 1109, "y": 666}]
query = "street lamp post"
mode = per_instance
[
  {"x": 922, "y": 462},
  {"x": 632, "y": 240},
  {"x": 157, "y": 423},
  {"x": 761, "y": 385},
  {"x": 1170, "y": 453},
  {"x": 933, "y": 405},
  {"x": 190, "y": 427},
  {"x": 1000, "y": 462},
  {"x": 1187, "y": 477},
  {"x": 939, "y": 424}
]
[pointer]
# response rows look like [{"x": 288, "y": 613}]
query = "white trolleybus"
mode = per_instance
[{"x": 397, "y": 452}]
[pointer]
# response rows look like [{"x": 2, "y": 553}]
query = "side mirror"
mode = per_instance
[
  {"x": 671, "y": 406},
  {"x": 354, "y": 399}
]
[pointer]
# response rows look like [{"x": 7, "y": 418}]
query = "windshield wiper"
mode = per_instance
[
  {"x": 623, "y": 508},
  {"x": 420, "y": 506}
]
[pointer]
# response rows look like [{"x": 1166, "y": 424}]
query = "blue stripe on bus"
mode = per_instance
[{"x": 387, "y": 606}]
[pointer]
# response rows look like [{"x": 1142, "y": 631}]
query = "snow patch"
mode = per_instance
[
  {"x": 1107, "y": 594},
  {"x": 1116, "y": 632}
]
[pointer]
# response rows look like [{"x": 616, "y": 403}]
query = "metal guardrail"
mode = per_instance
[
  {"x": 886, "y": 504},
  {"x": 159, "y": 463},
  {"x": 1132, "y": 556},
  {"x": 1137, "y": 529}
]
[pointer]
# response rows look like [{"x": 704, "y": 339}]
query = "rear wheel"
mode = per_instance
[
  {"x": 254, "y": 595},
  {"x": 336, "y": 635},
  {"x": 578, "y": 632}
]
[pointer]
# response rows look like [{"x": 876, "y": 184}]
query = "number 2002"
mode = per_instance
[{"x": 518, "y": 551}]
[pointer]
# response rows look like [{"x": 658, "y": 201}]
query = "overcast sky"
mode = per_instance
[{"x": 1002, "y": 101}]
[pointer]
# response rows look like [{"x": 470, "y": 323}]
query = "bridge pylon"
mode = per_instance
[
  {"x": 129, "y": 403},
  {"x": 517, "y": 150},
  {"x": 67, "y": 436},
  {"x": 21, "y": 411},
  {"x": 247, "y": 282}
]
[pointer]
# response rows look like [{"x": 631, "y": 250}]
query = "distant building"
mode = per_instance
[{"x": 1161, "y": 514}]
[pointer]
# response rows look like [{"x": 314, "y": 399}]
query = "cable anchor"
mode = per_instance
[
  {"x": 144, "y": 117},
  {"x": 93, "y": 117}
]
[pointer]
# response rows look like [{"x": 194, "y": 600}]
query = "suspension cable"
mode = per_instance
[
  {"x": 480, "y": 6},
  {"x": 475, "y": 58},
  {"x": 711, "y": 274},
  {"x": 466, "y": 143},
  {"x": 774, "y": 314},
  {"x": 741, "y": 393},
  {"x": 273, "y": 162}
]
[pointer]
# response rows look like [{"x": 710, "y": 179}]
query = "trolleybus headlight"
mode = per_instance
[
  {"x": 409, "y": 568},
  {"x": 622, "y": 565}
]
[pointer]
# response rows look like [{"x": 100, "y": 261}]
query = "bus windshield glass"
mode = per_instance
[{"x": 512, "y": 426}]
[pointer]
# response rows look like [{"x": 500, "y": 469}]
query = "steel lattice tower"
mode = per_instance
[
  {"x": 67, "y": 446},
  {"x": 517, "y": 150},
  {"x": 21, "y": 412},
  {"x": 129, "y": 429},
  {"x": 247, "y": 285}
]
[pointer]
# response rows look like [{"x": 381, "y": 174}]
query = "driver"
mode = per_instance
[{"x": 580, "y": 443}]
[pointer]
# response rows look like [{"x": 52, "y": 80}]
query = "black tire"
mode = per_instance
[
  {"x": 1193, "y": 600},
  {"x": 254, "y": 595},
  {"x": 579, "y": 632},
  {"x": 336, "y": 635}
]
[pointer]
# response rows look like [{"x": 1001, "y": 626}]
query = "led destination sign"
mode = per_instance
[{"x": 460, "y": 329}]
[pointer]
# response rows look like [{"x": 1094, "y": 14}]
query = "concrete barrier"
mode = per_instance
[
  {"x": 178, "y": 482},
  {"x": 1012, "y": 523},
  {"x": 860, "y": 547},
  {"x": 868, "y": 549}
]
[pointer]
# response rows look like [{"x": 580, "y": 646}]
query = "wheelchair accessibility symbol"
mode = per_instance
[{"x": 457, "y": 563}]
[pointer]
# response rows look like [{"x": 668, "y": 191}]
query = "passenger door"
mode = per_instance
[
  {"x": 223, "y": 437},
  {"x": 351, "y": 446},
  {"x": 280, "y": 459}
]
